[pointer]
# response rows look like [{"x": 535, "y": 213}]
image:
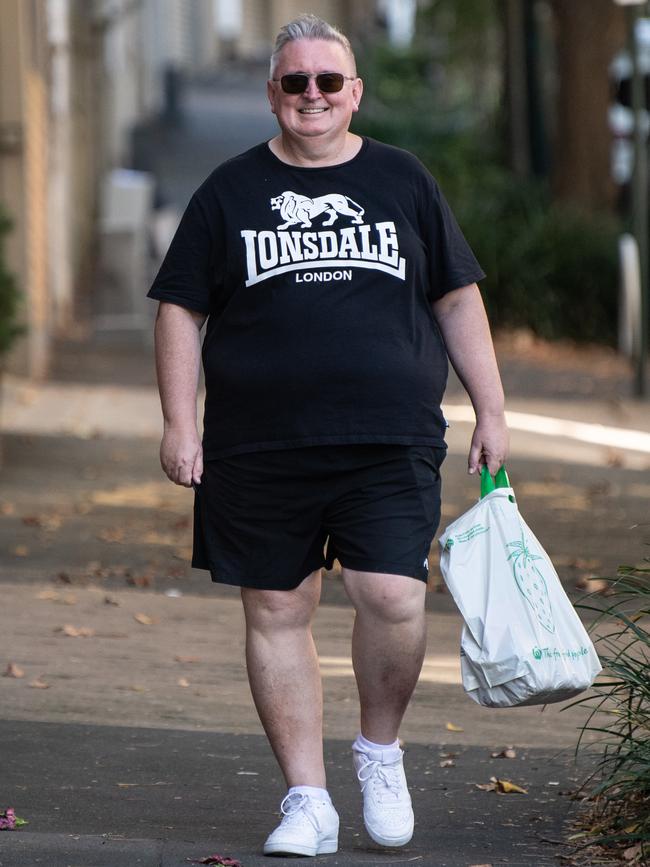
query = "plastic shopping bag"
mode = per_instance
[{"x": 522, "y": 642}]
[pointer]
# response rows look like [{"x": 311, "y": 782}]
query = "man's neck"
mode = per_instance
[{"x": 315, "y": 152}]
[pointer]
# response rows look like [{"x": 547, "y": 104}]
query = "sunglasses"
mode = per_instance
[{"x": 326, "y": 82}]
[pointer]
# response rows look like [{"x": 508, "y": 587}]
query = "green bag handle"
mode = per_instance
[{"x": 489, "y": 484}]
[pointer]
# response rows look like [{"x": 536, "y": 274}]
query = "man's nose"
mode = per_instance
[{"x": 312, "y": 89}]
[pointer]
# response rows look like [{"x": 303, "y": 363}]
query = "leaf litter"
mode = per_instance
[
  {"x": 501, "y": 787},
  {"x": 13, "y": 670}
]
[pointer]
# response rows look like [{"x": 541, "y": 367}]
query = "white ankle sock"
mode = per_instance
[
  {"x": 312, "y": 791},
  {"x": 365, "y": 745}
]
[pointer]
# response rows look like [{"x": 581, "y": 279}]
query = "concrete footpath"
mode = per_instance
[{"x": 127, "y": 732}]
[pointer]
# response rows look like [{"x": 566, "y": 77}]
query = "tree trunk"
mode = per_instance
[{"x": 588, "y": 33}]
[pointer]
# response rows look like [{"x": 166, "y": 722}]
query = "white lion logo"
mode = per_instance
[{"x": 300, "y": 210}]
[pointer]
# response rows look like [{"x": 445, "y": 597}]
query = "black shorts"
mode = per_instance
[{"x": 267, "y": 520}]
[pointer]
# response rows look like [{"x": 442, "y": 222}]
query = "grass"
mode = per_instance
[{"x": 618, "y": 791}]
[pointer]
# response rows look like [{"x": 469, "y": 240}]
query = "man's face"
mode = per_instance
[{"x": 313, "y": 113}]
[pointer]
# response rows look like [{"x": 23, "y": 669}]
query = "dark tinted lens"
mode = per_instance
[
  {"x": 326, "y": 82},
  {"x": 329, "y": 82},
  {"x": 295, "y": 83}
]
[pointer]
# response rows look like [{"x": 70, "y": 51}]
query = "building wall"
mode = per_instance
[
  {"x": 24, "y": 171},
  {"x": 48, "y": 173}
]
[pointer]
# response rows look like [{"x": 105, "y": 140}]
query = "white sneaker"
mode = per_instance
[
  {"x": 310, "y": 827},
  {"x": 387, "y": 810}
]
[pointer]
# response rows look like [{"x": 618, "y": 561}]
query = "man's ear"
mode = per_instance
[{"x": 357, "y": 93}]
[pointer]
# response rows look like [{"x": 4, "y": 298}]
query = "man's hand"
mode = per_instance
[
  {"x": 181, "y": 456},
  {"x": 490, "y": 444}
]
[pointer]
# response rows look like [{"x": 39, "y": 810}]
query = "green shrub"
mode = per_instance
[
  {"x": 620, "y": 715},
  {"x": 550, "y": 268},
  {"x": 9, "y": 296}
]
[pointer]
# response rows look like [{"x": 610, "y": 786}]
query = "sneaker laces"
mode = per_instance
[
  {"x": 295, "y": 807},
  {"x": 384, "y": 776}
]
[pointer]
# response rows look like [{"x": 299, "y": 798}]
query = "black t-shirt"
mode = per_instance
[{"x": 318, "y": 284}]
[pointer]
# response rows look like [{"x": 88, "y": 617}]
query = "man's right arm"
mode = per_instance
[{"x": 178, "y": 362}]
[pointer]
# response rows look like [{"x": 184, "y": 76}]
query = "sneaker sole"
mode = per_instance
[
  {"x": 390, "y": 841},
  {"x": 327, "y": 847}
]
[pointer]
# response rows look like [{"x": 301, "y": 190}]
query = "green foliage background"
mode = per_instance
[
  {"x": 550, "y": 268},
  {"x": 9, "y": 295}
]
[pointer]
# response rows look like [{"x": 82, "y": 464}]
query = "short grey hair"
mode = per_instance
[{"x": 308, "y": 26}]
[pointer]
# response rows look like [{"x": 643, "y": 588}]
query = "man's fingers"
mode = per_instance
[
  {"x": 474, "y": 459},
  {"x": 181, "y": 458},
  {"x": 197, "y": 470}
]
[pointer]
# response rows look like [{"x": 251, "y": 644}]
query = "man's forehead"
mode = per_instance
[{"x": 314, "y": 52}]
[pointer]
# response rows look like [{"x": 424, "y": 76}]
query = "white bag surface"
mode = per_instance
[{"x": 522, "y": 641}]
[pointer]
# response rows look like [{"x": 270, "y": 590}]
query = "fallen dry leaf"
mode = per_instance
[
  {"x": 13, "y": 670},
  {"x": 49, "y": 595},
  {"x": 632, "y": 853},
  {"x": 76, "y": 631},
  {"x": 592, "y": 584},
  {"x": 507, "y": 753},
  {"x": 453, "y": 728},
  {"x": 111, "y": 534},
  {"x": 64, "y": 578},
  {"x": 7, "y": 509},
  {"x": 143, "y": 580},
  {"x": 55, "y": 596},
  {"x": 505, "y": 787},
  {"x": 39, "y": 683},
  {"x": 187, "y": 659},
  {"x": 21, "y": 551},
  {"x": 183, "y": 553},
  {"x": 51, "y": 523},
  {"x": 183, "y": 681},
  {"x": 153, "y": 537},
  {"x": 144, "y": 619},
  {"x": 584, "y": 564}
]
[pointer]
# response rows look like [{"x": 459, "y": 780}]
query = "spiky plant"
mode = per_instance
[{"x": 619, "y": 716}]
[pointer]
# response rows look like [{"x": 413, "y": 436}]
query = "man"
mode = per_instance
[{"x": 330, "y": 270}]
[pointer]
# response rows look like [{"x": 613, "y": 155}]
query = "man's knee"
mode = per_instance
[
  {"x": 393, "y": 599},
  {"x": 282, "y": 608}
]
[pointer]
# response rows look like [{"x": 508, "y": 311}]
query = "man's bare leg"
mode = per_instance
[
  {"x": 388, "y": 645},
  {"x": 284, "y": 677}
]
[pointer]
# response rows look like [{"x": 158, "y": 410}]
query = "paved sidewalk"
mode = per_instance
[
  {"x": 102, "y": 796},
  {"x": 144, "y": 747}
]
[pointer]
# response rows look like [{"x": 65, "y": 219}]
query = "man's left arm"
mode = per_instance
[{"x": 464, "y": 326}]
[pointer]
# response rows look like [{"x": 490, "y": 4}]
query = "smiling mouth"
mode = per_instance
[{"x": 311, "y": 110}]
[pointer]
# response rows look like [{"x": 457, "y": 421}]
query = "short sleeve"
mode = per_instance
[
  {"x": 452, "y": 263},
  {"x": 187, "y": 276}
]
